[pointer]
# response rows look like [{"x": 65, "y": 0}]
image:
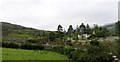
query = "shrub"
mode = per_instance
[
  {"x": 58, "y": 49},
  {"x": 33, "y": 40},
  {"x": 32, "y": 47},
  {"x": 52, "y": 36},
  {"x": 22, "y": 46},
  {"x": 10, "y": 45},
  {"x": 74, "y": 55},
  {"x": 95, "y": 42}
]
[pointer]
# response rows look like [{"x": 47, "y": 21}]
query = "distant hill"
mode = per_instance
[
  {"x": 111, "y": 28},
  {"x": 13, "y": 32},
  {"x": 14, "y": 26}
]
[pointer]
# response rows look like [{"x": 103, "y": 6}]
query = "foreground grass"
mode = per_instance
[{"x": 19, "y": 54}]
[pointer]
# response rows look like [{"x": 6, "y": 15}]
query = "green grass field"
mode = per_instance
[{"x": 18, "y": 54}]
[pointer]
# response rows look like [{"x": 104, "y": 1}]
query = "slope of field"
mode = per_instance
[
  {"x": 111, "y": 28},
  {"x": 13, "y": 32},
  {"x": 18, "y": 54}
]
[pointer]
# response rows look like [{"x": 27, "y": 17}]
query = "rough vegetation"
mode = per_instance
[{"x": 83, "y": 43}]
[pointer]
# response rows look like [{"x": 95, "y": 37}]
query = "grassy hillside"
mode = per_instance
[
  {"x": 20, "y": 34},
  {"x": 13, "y": 32},
  {"x": 96, "y": 48},
  {"x": 111, "y": 28},
  {"x": 18, "y": 54}
]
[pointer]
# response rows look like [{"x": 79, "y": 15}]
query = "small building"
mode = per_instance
[{"x": 83, "y": 36}]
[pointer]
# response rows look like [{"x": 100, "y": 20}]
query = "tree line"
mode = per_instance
[{"x": 72, "y": 33}]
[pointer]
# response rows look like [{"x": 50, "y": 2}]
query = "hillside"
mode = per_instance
[
  {"x": 92, "y": 49},
  {"x": 111, "y": 28},
  {"x": 13, "y": 32}
]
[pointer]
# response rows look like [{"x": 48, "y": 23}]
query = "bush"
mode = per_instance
[
  {"x": 52, "y": 36},
  {"x": 10, "y": 45},
  {"x": 74, "y": 55},
  {"x": 22, "y": 46},
  {"x": 67, "y": 51},
  {"x": 32, "y": 47},
  {"x": 58, "y": 49},
  {"x": 95, "y": 42},
  {"x": 33, "y": 40}
]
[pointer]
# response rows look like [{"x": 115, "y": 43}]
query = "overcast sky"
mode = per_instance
[{"x": 48, "y": 14}]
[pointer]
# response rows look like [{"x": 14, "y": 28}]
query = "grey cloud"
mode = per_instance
[{"x": 47, "y": 14}]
